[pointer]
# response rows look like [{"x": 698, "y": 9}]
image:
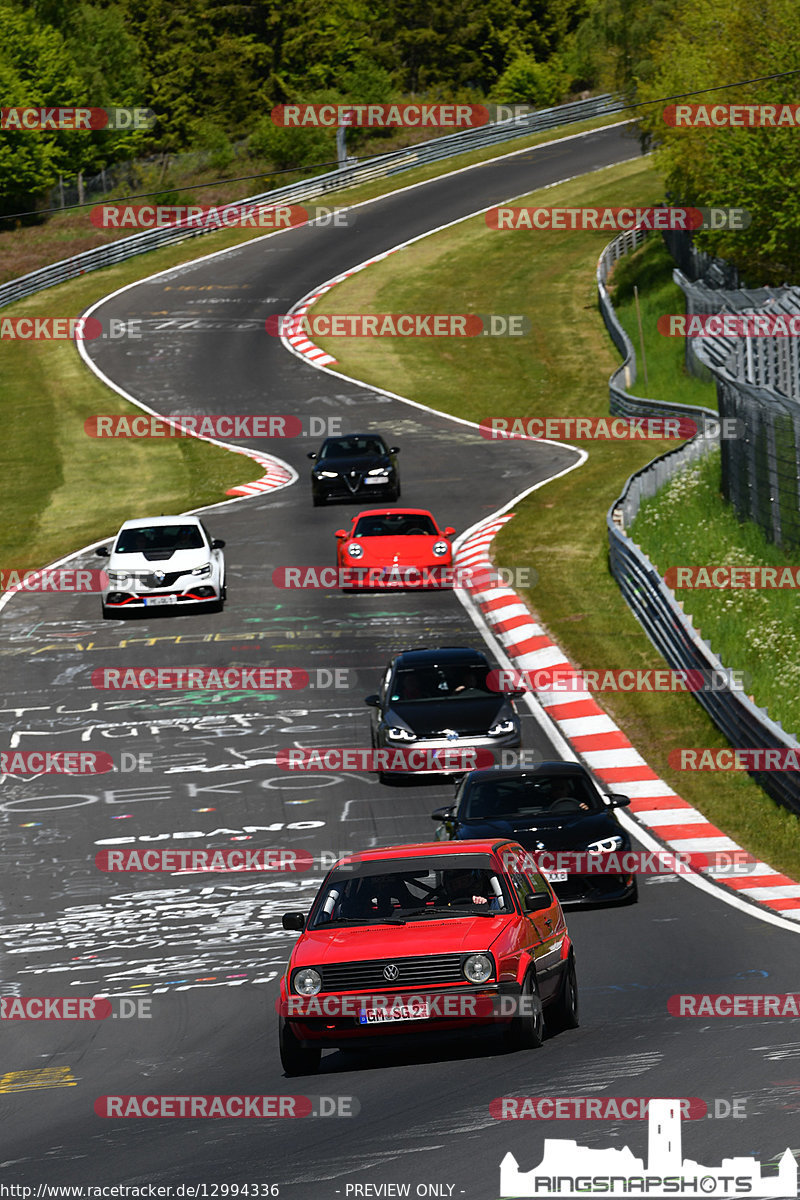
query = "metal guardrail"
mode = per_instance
[
  {"x": 671, "y": 631},
  {"x": 308, "y": 189}
]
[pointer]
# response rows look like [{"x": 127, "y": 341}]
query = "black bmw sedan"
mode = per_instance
[
  {"x": 356, "y": 466},
  {"x": 554, "y": 806}
]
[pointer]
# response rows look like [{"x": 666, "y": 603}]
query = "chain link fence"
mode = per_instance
[
  {"x": 758, "y": 385},
  {"x": 671, "y": 631}
]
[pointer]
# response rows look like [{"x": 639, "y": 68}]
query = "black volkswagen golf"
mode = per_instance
[
  {"x": 550, "y": 807},
  {"x": 355, "y": 466},
  {"x": 439, "y": 698}
]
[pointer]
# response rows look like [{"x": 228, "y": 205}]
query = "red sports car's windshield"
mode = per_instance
[
  {"x": 395, "y": 525},
  {"x": 418, "y": 893}
]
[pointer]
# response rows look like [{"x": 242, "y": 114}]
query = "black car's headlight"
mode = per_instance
[
  {"x": 441, "y": 548},
  {"x": 379, "y": 471},
  {"x": 327, "y": 474},
  {"x": 307, "y": 982},
  {"x": 606, "y": 845},
  {"x": 354, "y": 550},
  {"x": 501, "y": 728},
  {"x": 398, "y": 734},
  {"x": 478, "y": 968}
]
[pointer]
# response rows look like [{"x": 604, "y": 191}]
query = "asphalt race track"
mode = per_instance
[{"x": 207, "y": 951}]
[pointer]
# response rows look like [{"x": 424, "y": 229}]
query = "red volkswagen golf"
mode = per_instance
[{"x": 422, "y": 939}]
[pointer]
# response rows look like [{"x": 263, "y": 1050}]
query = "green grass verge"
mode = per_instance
[{"x": 561, "y": 369}]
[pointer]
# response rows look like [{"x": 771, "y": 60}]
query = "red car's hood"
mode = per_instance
[
  {"x": 408, "y": 550},
  {"x": 453, "y": 935}
]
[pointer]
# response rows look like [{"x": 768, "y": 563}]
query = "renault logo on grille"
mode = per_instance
[
  {"x": 159, "y": 576},
  {"x": 391, "y": 972}
]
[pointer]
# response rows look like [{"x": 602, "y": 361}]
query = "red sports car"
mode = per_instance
[
  {"x": 390, "y": 547},
  {"x": 424, "y": 939}
]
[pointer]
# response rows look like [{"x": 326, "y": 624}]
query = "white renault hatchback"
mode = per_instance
[{"x": 163, "y": 561}]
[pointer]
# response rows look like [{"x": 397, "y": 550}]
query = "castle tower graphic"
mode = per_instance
[{"x": 565, "y": 1164}]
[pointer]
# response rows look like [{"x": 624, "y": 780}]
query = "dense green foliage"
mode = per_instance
[{"x": 212, "y": 70}]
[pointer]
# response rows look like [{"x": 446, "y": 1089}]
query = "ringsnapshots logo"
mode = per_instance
[
  {"x": 569, "y": 1170},
  {"x": 398, "y": 325}
]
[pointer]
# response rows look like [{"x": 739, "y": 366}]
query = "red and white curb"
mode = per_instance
[
  {"x": 277, "y": 475},
  {"x": 602, "y": 745},
  {"x": 299, "y": 342}
]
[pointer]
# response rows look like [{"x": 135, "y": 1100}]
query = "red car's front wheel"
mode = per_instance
[{"x": 296, "y": 1059}]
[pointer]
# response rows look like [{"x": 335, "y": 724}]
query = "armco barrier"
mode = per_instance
[
  {"x": 308, "y": 189},
  {"x": 670, "y": 630}
]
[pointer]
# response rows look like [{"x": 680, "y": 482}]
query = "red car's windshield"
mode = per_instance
[{"x": 411, "y": 894}]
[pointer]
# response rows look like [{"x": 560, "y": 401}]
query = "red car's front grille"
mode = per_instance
[{"x": 410, "y": 972}]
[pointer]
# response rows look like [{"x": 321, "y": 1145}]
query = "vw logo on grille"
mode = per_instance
[{"x": 391, "y": 972}]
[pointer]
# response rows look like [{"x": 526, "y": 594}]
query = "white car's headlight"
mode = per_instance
[
  {"x": 501, "y": 728},
  {"x": 441, "y": 547},
  {"x": 307, "y": 982},
  {"x": 606, "y": 845},
  {"x": 378, "y": 471},
  {"x": 121, "y": 579},
  {"x": 204, "y": 570},
  {"x": 478, "y": 968},
  {"x": 328, "y": 474},
  {"x": 354, "y": 550},
  {"x": 399, "y": 734}
]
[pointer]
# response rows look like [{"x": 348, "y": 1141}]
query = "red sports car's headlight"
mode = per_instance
[
  {"x": 441, "y": 548},
  {"x": 355, "y": 550}
]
